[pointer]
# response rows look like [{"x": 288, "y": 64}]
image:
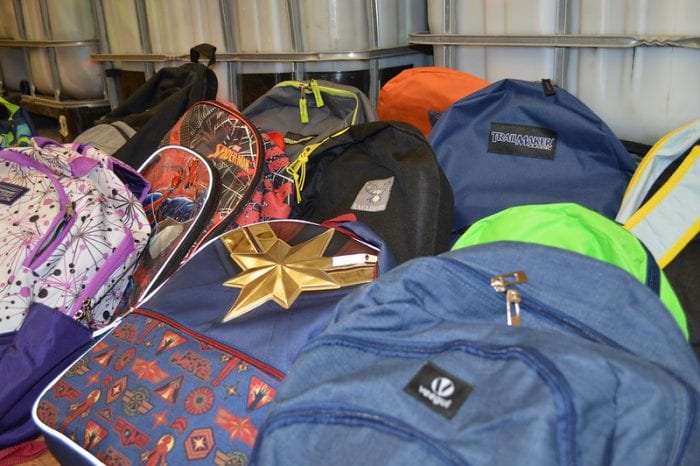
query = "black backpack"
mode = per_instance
[
  {"x": 386, "y": 174},
  {"x": 157, "y": 105}
]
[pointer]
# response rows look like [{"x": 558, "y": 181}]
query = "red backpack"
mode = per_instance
[
  {"x": 215, "y": 171},
  {"x": 251, "y": 166}
]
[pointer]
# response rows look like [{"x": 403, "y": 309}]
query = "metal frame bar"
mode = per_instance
[
  {"x": 561, "y": 54},
  {"x": 373, "y": 42},
  {"x": 12, "y": 43},
  {"x": 110, "y": 87},
  {"x": 230, "y": 43},
  {"x": 298, "y": 57},
  {"x": 19, "y": 18},
  {"x": 53, "y": 59},
  {"x": 554, "y": 40},
  {"x": 448, "y": 21},
  {"x": 294, "y": 10},
  {"x": 144, "y": 34}
]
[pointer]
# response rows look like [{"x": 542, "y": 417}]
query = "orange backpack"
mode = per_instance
[{"x": 414, "y": 93}]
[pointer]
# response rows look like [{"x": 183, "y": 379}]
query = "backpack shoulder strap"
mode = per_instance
[{"x": 670, "y": 218}]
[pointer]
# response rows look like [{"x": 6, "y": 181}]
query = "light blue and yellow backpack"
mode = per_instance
[{"x": 661, "y": 206}]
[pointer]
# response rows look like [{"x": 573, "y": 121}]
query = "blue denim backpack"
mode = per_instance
[{"x": 499, "y": 354}]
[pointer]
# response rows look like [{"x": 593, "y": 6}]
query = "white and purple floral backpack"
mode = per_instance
[{"x": 72, "y": 229}]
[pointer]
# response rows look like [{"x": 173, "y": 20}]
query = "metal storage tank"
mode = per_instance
[
  {"x": 262, "y": 42},
  {"x": 634, "y": 62}
]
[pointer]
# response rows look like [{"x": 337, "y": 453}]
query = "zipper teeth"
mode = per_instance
[
  {"x": 57, "y": 233},
  {"x": 329, "y": 90},
  {"x": 342, "y": 131},
  {"x": 214, "y": 343},
  {"x": 543, "y": 310}
]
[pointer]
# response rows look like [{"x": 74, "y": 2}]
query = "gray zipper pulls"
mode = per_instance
[{"x": 503, "y": 284}]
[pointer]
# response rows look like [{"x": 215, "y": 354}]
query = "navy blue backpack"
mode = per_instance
[
  {"x": 518, "y": 142},
  {"x": 422, "y": 367},
  {"x": 188, "y": 375}
]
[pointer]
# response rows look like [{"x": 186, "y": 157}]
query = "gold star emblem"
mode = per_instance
[{"x": 273, "y": 270}]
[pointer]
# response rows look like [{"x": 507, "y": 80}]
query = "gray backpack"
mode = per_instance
[
  {"x": 306, "y": 112},
  {"x": 108, "y": 137}
]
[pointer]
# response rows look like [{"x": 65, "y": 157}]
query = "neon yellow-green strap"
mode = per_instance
[
  {"x": 303, "y": 111},
  {"x": 317, "y": 93},
  {"x": 10, "y": 106},
  {"x": 297, "y": 169}
]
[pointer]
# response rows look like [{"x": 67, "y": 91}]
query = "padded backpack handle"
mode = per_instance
[{"x": 204, "y": 49}]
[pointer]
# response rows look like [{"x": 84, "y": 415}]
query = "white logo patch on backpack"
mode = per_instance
[{"x": 374, "y": 195}]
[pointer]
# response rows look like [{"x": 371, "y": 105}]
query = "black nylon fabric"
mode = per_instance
[
  {"x": 418, "y": 216},
  {"x": 157, "y": 105},
  {"x": 683, "y": 270}
]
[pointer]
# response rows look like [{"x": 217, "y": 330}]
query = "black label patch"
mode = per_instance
[
  {"x": 523, "y": 141},
  {"x": 439, "y": 390},
  {"x": 9, "y": 193},
  {"x": 296, "y": 138}
]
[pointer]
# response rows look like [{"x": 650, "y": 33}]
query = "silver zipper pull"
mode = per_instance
[
  {"x": 502, "y": 283},
  {"x": 84, "y": 315},
  {"x": 513, "y": 303}
]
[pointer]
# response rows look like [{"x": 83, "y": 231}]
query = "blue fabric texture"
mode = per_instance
[
  {"x": 419, "y": 367},
  {"x": 514, "y": 143},
  {"x": 173, "y": 382}
]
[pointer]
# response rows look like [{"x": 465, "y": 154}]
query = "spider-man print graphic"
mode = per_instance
[
  {"x": 232, "y": 145},
  {"x": 251, "y": 164},
  {"x": 252, "y": 185},
  {"x": 180, "y": 184}
]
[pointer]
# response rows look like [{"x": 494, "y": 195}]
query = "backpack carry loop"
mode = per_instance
[{"x": 204, "y": 49}]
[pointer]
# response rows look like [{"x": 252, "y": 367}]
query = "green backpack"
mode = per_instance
[{"x": 578, "y": 229}]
